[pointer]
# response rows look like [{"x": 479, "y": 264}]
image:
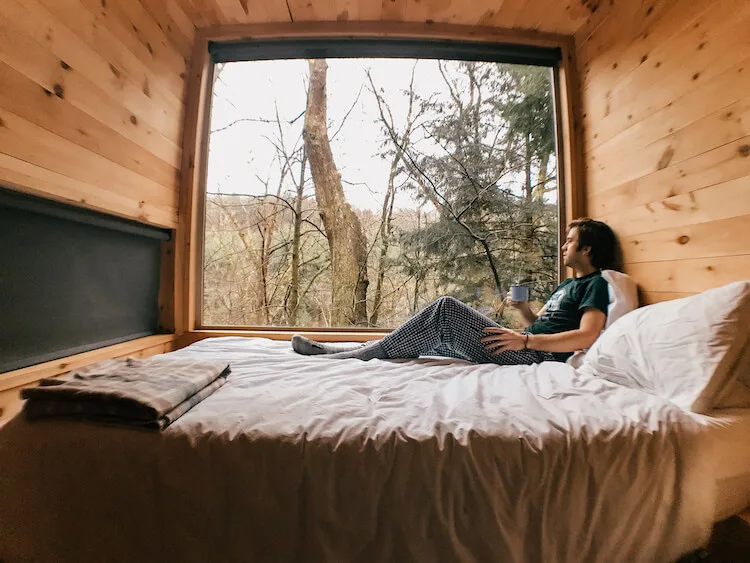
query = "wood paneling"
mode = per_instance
[
  {"x": 726, "y": 162},
  {"x": 666, "y": 132},
  {"x": 698, "y": 240},
  {"x": 376, "y": 30},
  {"x": 633, "y": 159},
  {"x": 174, "y": 22},
  {"x": 148, "y": 200},
  {"x": 690, "y": 276},
  {"x": 550, "y": 16},
  {"x": 707, "y": 49},
  {"x": 119, "y": 41},
  {"x": 91, "y": 103},
  {"x": 194, "y": 168},
  {"x": 723, "y": 201}
]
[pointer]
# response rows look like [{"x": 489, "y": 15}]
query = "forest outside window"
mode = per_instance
[{"x": 351, "y": 192}]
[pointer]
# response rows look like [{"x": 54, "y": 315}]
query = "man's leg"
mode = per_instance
[
  {"x": 305, "y": 346},
  {"x": 446, "y": 327}
]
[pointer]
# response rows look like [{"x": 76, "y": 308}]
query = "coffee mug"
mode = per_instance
[{"x": 519, "y": 292}]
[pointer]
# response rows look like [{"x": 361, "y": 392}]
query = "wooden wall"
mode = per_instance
[
  {"x": 552, "y": 16},
  {"x": 91, "y": 102},
  {"x": 665, "y": 87},
  {"x": 91, "y": 113}
]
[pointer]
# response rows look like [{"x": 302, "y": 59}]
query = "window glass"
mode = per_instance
[{"x": 352, "y": 192}]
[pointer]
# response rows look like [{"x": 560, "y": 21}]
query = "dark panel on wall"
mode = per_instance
[{"x": 72, "y": 280}]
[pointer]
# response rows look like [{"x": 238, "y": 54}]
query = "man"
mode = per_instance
[{"x": 572, "y": 319}]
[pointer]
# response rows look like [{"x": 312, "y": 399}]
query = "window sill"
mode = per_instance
[{"x": 280, "y": 334}]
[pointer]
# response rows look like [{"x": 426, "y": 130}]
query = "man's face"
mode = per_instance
[{"x": 572, "y": 257}]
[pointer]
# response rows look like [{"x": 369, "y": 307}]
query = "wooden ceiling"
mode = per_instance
[{"x": 552, "y": 16}]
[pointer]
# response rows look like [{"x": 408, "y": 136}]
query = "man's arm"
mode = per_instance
[
  {"x": 524, "y": 308},
  {"x": 501, "y": 339}
]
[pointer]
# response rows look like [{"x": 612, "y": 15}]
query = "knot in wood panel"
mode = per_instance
[{"x": 665, "y": 159}]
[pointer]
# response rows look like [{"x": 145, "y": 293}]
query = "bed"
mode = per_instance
[{"x": 311, "y": 459}]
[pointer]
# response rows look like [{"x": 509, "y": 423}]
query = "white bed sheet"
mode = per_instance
[{"x": 311, "y": 459}]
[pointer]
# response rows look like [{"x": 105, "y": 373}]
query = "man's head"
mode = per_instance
[{"x": 589, "y": 244}]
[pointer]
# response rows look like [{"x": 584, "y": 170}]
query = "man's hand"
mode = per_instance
[
  {"x": 501, "y": 339},
  {"x": 524, "y": 308}
]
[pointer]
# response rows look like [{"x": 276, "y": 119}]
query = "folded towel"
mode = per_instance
[{"x": 150, "y": 393}]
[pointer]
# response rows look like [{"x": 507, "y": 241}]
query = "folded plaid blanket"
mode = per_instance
[{"x": 149, "y": 393}]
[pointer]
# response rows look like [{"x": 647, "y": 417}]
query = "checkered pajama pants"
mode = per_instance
[{"x": 448, "y": 327}]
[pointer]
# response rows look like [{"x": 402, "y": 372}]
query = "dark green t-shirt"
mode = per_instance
[{"x": 567, "y": 304}]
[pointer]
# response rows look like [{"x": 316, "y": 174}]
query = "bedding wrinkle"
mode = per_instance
[
  {"x": 381, "y": 515},
  {"x": 300, "y": 537},
  {"x": 509, "y": 512},
  {"x": 444, "y": 494}
]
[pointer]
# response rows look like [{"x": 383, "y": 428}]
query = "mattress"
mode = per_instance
[
  {"x": 727, "y": 438},
  {"x": 311, "y": 459}
]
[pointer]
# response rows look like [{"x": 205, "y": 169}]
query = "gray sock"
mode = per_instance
[
  {"x": 370, "y": 351},
  {"x": 308, "y": 347}
]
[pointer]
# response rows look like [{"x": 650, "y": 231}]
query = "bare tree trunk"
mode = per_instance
[
  {"x": 293, "y": 298},
  {"x": 263, "y": 263},
  {"x": 541, "y": 186},
  {"x": 387, "y": 212},
  {"x": 527, "y": 242},
  {"x": 385, "y": 236},
  {"x": 420, "y": 274},
  {"x": 345, "y": 237},
  {"x": 267, "y": 227},
  {"x": 256, "y": 303}
]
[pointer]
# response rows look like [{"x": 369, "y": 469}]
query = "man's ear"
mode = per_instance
[{"x": 586, "y": 250}]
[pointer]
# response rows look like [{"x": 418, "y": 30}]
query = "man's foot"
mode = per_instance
[{"x": 308, "y": 347}]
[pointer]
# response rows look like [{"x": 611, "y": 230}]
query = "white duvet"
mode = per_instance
[{"x": 310, "y": 459}]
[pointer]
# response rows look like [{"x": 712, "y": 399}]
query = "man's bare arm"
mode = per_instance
[
  {"x": 592, "y": 324},
  {"x": 583, "y": 337},
  {"x": 524, "y": 308}
]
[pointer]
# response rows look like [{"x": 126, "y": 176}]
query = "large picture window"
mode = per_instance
[{"x": 350, "y": 192}]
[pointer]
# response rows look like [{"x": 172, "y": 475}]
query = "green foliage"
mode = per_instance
[{"x": 489, "y": 178}]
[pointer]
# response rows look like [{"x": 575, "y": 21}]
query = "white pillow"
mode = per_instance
[
  {"x": 687, "y": 350},
  {"x": 623, "y": 295},
  {"x": 737, "y": 393},
  {"x": 623, "y": 298}
]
